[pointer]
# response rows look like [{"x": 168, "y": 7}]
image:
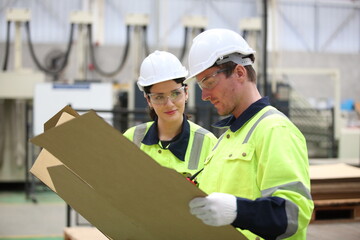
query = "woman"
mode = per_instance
[{"x": 170, "y": 139}]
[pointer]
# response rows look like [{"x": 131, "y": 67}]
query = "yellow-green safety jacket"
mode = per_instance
[
  {"x": 186, "y": 155},
  {"x": 263, "y": 162}
]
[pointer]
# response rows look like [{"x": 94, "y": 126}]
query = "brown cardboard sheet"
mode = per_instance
[
  {"x": 117, "y": 187},
  {"x": 46, "y": 159},
  {"x": 55, "y": 119}
]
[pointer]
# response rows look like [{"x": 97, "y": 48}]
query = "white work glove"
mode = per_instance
[{"x": 217, "y": 209}]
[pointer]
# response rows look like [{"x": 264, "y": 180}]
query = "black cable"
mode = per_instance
[
  {"x": 32, "y": 53},
  {"x": 245, "y": 34},
  {"x": 123, "y": 60},
  {"x": 7, "y": 46},
  {"x": 183, "y": 51},
  {"x": 264, "y": 50},
  {"x": 146, "y": 46}
]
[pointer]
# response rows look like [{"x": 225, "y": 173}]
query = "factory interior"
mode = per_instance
[{"x": 86, "y": 55}]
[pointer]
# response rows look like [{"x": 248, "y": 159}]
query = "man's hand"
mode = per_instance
[{"x": 217, "y": 209}]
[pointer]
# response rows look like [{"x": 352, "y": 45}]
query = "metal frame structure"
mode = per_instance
[{"x": 334, "y": 75}]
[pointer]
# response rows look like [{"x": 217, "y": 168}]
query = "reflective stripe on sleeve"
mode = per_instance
[
  {"x": 297, "y": 187},
  {"x": 292, "y": 210},
  {"x": 292, "y": 214}
]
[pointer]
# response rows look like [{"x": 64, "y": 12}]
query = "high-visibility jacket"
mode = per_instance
[
  {"x": 186, "y": 155},
  {"x": 264, "y": 164}
]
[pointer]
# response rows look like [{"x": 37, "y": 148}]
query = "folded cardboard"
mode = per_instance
[
  {"x": 114, "y": 185},
  {"x": 335, "y": 181},
  {"x": 334, "y": 171}
]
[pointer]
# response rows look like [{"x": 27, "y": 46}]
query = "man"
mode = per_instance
[{"x": 257, "y": 175}]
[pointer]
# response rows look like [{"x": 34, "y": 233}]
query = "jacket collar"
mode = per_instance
[
  {"x": 178, "y": 147},
  {"x": 236, "y": 123}
]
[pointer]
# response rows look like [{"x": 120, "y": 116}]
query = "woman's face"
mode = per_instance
[{"x": 168, "y": 100}]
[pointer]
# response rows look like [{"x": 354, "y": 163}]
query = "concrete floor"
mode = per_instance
[
  {"x": 28, "y": 219},
  {"x": 334, "y": 231},
  {"x": 23, "y": 218},
  {"x": 20, "y": 216}
]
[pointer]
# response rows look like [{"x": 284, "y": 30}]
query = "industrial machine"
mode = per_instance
[{"x": 16, "y": 94}]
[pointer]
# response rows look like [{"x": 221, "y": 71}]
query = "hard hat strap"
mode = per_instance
[{"x": 236, "y": 58}]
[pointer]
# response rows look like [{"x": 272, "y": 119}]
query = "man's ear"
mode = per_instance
[{"x": 240, "y": 71}]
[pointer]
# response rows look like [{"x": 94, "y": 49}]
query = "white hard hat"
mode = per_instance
[
  {"x": 217, "y": 44},
  {"x": 160, "y": 66}
]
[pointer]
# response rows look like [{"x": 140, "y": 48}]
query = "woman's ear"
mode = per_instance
[{"x": 148, "y": 100}]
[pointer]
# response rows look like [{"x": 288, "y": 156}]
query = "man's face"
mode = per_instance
[{"x": 218, "y": 89}]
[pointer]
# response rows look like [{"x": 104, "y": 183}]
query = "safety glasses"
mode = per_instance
[
  {"x": 162, "y": 98},
  {"x": 210, "y": 82}
]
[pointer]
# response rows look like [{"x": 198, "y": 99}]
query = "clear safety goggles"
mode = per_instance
[
  {"x": 211, "y": 81},
  {"x": 162, "y": 98}
]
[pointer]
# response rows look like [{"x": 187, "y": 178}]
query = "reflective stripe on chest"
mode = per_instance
[{"x": 196, "y": 148}]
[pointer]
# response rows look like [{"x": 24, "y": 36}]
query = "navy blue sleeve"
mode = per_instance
[{"x": 265, "y": 217}]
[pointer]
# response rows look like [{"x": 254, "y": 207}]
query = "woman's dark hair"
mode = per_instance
[{"x": 151, "y": 111}]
